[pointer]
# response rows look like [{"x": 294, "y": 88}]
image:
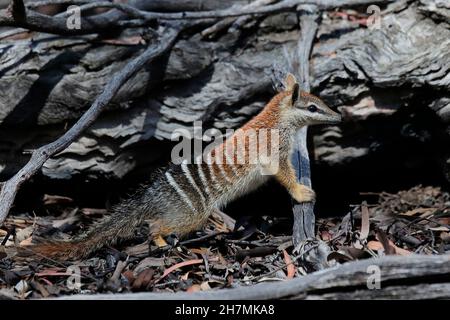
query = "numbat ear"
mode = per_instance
[
  {"x": 289, "y": 82},
  {"x": 295, "y": 93}
]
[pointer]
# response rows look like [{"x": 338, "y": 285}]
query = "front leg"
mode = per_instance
[{"x": 287, "y": 178}]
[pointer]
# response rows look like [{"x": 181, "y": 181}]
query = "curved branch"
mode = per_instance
[{"x": 41, "y": 155}]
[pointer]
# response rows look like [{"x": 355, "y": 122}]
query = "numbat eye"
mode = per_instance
[{"x": 312, "y": 108}]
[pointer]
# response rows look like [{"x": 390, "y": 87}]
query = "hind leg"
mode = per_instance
[{"x": 180, "y": 225}]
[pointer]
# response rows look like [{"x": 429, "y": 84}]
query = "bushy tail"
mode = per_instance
[
  {"x": 60, "y": 250},
  {"x": 121, "y": 224}
]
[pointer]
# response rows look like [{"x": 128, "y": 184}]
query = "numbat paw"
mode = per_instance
[
  {"x": 303, "y": 193},
  {"x": 160, "y": 242}
]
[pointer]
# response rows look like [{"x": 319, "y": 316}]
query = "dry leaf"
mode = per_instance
[
  {"x": 205, "y": 286},
  {"x": 26, "y": 242},
  {"x": 147, "y": 263},
  {"x": 417, "y": 211},
  {"x": 129, "y": 275},
  {"x": 445, "y": 236},
  {"x": 54, "y": 199},
  {"x": 194, "y": 288},
  {"x": 138, "y": 250},
  {"x": 185, "y": 276},
  {"x": 24, "y": 234},
  {"x": 179, "y": 265},
  {"x": 133, "y": 40},
  {"x": 325, "y": 236},
  {"x": 441, "y": 228},
  {"x": 289, "y": 264},
  {"x": 375, "y": 245},
  {"x": 143, "y": 279},
  {"x": 199, "y": 251},
  {"x": 365, "y": 222}
]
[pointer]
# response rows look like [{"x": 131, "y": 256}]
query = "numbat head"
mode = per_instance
[
  {"x": 302, "y": 108},
  {"x": 180, "y": 199}
]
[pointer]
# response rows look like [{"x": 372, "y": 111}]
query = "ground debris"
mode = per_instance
[{"x": 407, "y": 222}]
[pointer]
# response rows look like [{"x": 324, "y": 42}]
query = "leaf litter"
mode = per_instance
[{"x": 227, "y": 253}]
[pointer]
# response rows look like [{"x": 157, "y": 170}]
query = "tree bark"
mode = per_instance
[
  {"x": 304, "y": 218},
  {"x": 222, "y": 89}
]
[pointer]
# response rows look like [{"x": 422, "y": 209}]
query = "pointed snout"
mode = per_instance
[
  {"x": 336, "y": 118},
  {"x": 333, "y": 117}
]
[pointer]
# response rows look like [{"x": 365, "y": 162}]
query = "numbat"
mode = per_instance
[{"x": 180, "y": 200}]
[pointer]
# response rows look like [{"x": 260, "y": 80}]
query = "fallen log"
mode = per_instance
[
  {"x": 400, "y": 277},
  {"x": 223, "y": 88}
]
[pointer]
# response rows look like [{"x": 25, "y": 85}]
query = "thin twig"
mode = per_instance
[
  {"x": 225, "y": 23},
  {"x": 202, "y": 238}
]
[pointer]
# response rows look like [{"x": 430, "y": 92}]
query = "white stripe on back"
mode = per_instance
[
  {"x": 202, "y": 176},
  {"x": 211, "y": 170},
  {"x": 180, "y": 192},
  {"x": 188, "y": 175},
  {"x": 224, "y": 174},
  {"x": 230, "y": 163}
]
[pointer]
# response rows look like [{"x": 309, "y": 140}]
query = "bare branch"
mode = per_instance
[
  {"x": 42, "y": 154},
  {"x": 12, "y": 32},
  {"x": 129, "y": 10},
  {"x": 57, "y": 24},
  {"x": 37, "y": 4},
  {"x": 225, "y": 23}
]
